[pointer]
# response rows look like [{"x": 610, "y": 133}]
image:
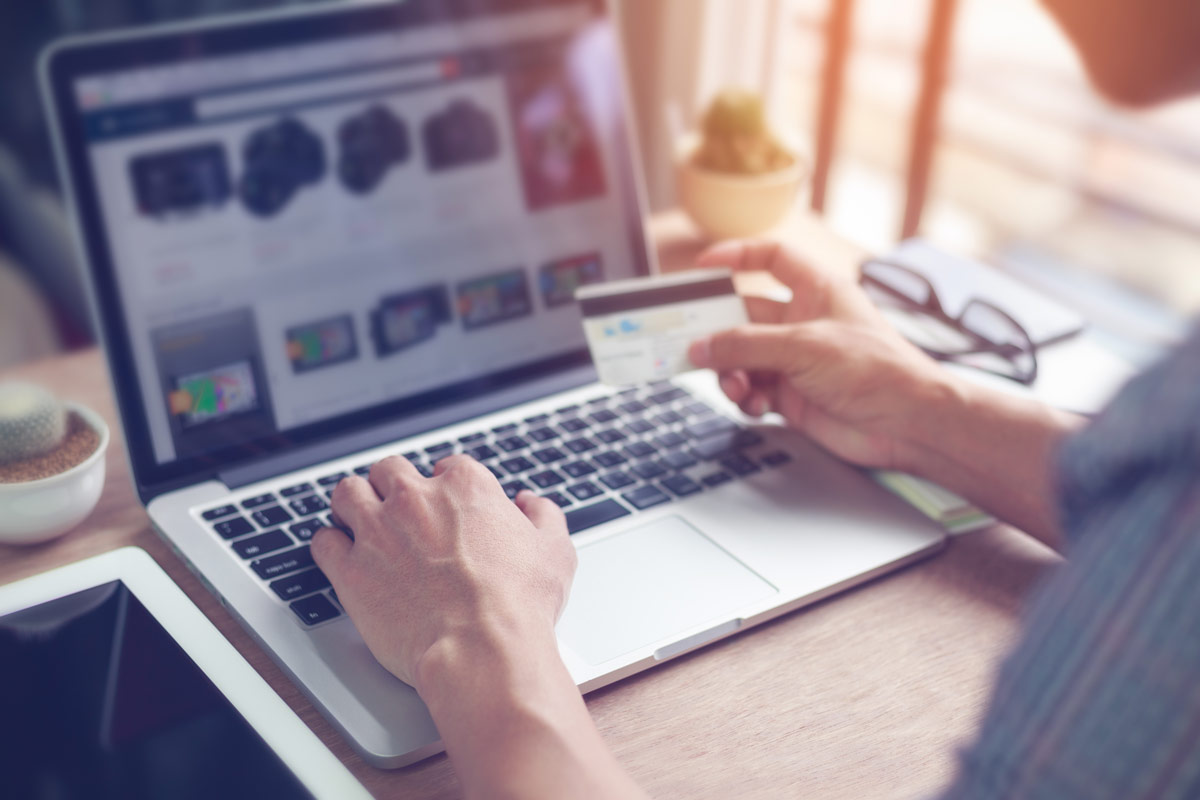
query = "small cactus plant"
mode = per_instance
[
  {"x": 32, "y": 421},
  {"x": 737, "y": 138}
]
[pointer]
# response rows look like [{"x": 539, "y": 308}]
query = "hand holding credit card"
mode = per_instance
[{"x": 639, "y": 330}]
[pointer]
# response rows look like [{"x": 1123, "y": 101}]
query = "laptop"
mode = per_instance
[{"x": 317, "y": 239}]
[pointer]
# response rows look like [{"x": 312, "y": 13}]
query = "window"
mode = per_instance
[{"x": 1032, "y": 169}]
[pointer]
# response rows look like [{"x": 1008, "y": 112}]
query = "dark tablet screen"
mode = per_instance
[{"x": 98, "y": 701}]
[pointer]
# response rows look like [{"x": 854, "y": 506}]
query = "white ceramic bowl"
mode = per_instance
[
  {"x": 37, "y": 511},
  {"x": 729, "y": 206}
]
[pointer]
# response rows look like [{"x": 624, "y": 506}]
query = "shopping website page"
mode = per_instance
[{"x": 401, "y": 212}]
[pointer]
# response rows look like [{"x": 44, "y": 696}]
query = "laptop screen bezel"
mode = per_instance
[{"x": 66, "y": 62}]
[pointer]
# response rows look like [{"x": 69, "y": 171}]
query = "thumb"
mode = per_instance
[
  {"x": 330, "y": 549},
  {"x": 774, "y": 348}
]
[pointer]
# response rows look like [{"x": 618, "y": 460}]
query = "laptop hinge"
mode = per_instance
[{"x": 311, "y": 455}]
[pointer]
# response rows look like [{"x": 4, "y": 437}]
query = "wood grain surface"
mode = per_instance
[{"x": 866, "y": 695}]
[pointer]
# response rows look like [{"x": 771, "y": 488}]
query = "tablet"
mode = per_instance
[{"x": 114, "y": 685}]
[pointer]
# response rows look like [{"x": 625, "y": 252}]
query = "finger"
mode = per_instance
[
  {"x": 776, "y": 348},
  {"x": 456, "y": 462},
  {"x": 735, "y": 385},
  {"x": 330, "y": 549},
  {"x": 353, "y": 499},
  {"x": 392, "y": 474},
  {"x": 764, "y": 310},
  {"x": 542, "y": 512},
  {"x": 760, "y": 255},
  {"x": 755, "y": 404}
]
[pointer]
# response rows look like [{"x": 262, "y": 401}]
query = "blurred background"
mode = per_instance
[{"x": 969, "y": 122}]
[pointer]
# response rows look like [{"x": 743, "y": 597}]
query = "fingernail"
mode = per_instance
[{"x": 700, "y": 353}]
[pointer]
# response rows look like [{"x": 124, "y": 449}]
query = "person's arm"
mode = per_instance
[
  {"x": 837, "y": 371},
  {"x": 456, "y": 591}
]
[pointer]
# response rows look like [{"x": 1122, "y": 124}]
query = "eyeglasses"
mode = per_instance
[{"x": 983, "y": 336}]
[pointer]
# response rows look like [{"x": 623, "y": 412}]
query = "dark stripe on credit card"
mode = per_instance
[{"x": 659, "y": 296}]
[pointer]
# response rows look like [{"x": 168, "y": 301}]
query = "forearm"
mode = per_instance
[
  {"x": 514, "y": 723},
  {"x": 995, "y": 450}
]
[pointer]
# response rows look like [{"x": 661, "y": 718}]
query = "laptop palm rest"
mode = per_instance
[{"x": 651, "y": 583}]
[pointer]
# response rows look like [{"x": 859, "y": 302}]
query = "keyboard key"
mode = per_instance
[
  {"x": 332, "y": 480},
  {"x": 363, "y": 471},
  {"x": 682, "y": 485},
  {"x": 716, "y": 479},
  {"x": 472, "y": 437},
  {"x": 610, "y": 436},
  {"x": 713, "y": 448},
  {"x": 317, "y": 608},
  {"x": 573, "y": 425},
  {"x": 648, "y": 470},
  {"x": 277, "y": 566},
  {"x": 618, "y": 480},
  {"x": 632, "y": 407},
  {"x": 646, "y": 497},
  {"x": 300, "y": 584},
  {"x": 537, "y": 419},
  {"x": 511, "y": 444},
  {"x": 518, "y": 465},
  {"x": 306, "y": 506},
  {"x": 607, "y": 460},
  {"x": 481, "y": 452},
  {"x": 580, "y": 445},
  {"x": 776, "y": 459},
  {"x": 547, "y": 479},
  {"x": 640, "y": 450},
  {"x": 596, "y": 514},
  {"x": 514, "y": 488},
  {"x": 305, "y": 530},
  {"x": 256, "y": 546},
  {"x": 258, "y": 500},
  {"x": 598, "y": 401},
  {"x": 500, "y": 430},
  {"x": 543, "y": 434},
  {"x": 440, "y": 449},
  {"x": 560, "y": 499},
  {"x": 747, "y": 438},
  {"x": 549, "y": 455},
  {"x": 413, "y": 456},
  {"x": 217, "y": 513},
  {"x": 632, "y": 390},
  {"x": 698, "y": 409},
  {"x": 495, "y": 471},
  {"x": 680, "y": 459},
  {"x": 578, "y": 469},
  {"x": 670, "y": 395},
  {"x": 639, "y": 426},
  {"x": 571, "y": 409},
  {"x": 233, "y": 528},
  {"x": 603, "y": 417},
  {"x": 710, "y": 427},
  {"x": 669, "y": 418},
  {"x": 300, "y": 488},
  {"x": 670, "y": 439},
  {"x": 585, "y": 491},
  {"x": 271, "y": 516},
  {"x": 739, "y": 465}
]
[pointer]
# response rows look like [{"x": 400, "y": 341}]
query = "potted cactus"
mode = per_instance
[
  {"x": 735, "y": 177},
  {"x": 51, "y": 463}
]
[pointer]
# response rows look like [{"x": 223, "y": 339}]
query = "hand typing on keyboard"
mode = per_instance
[
  {"x": 456, "y": 590},
  {"x": 444, "y": 562}
]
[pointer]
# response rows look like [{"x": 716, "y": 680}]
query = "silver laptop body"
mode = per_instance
[{"x": 318, "y": 239}]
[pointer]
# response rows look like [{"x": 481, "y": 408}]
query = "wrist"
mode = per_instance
[{"x": 938, "y": 402}]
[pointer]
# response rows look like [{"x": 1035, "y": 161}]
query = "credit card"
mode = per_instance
[{"x": 639, "y": 330}]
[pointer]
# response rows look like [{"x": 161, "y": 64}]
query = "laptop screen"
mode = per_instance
[{"x": 302, "y": 227}]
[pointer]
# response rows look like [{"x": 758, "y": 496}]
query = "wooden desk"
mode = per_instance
[{"x": 866, "y": 695}]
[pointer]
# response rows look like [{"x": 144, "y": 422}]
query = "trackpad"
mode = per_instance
[{"x": 652, "y": 583}]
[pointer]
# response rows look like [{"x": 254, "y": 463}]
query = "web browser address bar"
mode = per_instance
[{"x": 323, "y": 89}]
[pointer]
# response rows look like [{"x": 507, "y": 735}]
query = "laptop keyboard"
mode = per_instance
[{"x": 613, "y": 456}]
